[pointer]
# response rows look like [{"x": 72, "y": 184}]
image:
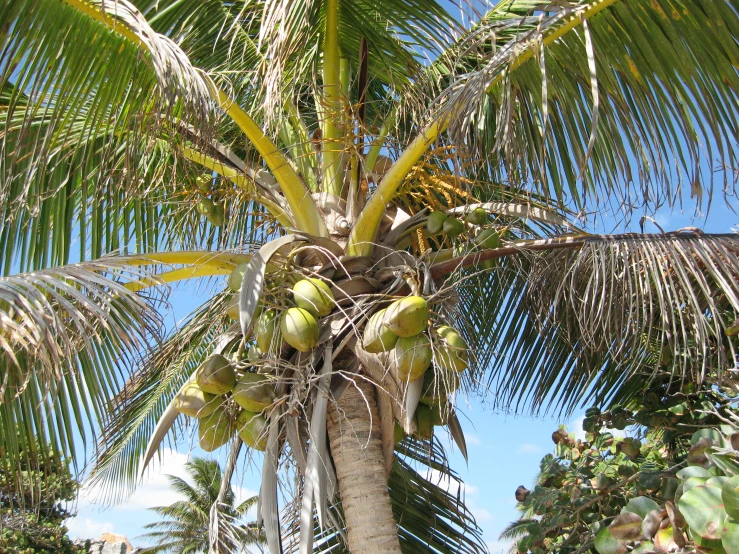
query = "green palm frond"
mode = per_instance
[
  {"x": 78, "y": 104},
  {"x": 563, "y": 327},
  {"x": 146, "y": 395},
  {"x": 518, "y": 88},
  {"x": 516, "y": 529},
  {"x": 398, "y": 33},
  {"x": 65, "y": 334}
]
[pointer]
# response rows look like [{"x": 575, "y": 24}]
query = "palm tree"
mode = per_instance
[
  {"x": 186, "y": 529},
  {"x": 153, "y": 142}
]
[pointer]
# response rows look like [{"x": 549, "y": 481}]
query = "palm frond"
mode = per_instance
[
  {"x": 615, "y": 102},
  {"x": 146, "y": 395},
  {"x": 516, "y": 529},
  {"x": 563, "y": 327},
  {"x": 398, "y": 34},
  {"x": 65, "y": 333},
  {"x": 78, "y": 104}
]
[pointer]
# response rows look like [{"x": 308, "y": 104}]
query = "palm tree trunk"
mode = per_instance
[{"x": 354, "y": 432}]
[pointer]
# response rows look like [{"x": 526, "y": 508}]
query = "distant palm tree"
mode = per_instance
[{"x": 186, "y": 529}]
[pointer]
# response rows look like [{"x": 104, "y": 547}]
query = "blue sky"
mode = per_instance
[{"x": 504, "y": 449}]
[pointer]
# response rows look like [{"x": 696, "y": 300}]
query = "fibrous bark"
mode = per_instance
[{"x": 354, "y": 432}]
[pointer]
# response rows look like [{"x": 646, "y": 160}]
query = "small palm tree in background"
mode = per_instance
[{"x": 186, "y": 525}]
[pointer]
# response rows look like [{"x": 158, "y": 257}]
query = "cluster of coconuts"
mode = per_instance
[
  {"x": 212, "y": 211},
  {"x": 439, "y": 222},
  {"x": 226, "y": 400},
  {"x": 402, "y": 330}
]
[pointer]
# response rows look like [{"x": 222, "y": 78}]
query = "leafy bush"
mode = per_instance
[
  {"x": 33, "y": 505},
  {"x": 669, "y": 488}
]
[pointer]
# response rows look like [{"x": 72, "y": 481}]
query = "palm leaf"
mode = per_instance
[
  {"x": 66, "y": 332},
  {"x": 74, "y": 113},
  {"x": 563, "y": 327},
  {"x": 147, "y": 393},
  {"x": 665, "y": 84}
]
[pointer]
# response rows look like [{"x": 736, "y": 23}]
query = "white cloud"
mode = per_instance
[
  {"x": 472, "y": 440},
  {"x": 153, "y": 490},
  {"x": 481, "y": 514},
  {"x": 499, "y": 547},
  {"x": 86, "y": 528},
  {"x": 530, "y": 449}
]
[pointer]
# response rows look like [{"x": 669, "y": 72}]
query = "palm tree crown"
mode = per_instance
[{"x": 400, "y": 199}]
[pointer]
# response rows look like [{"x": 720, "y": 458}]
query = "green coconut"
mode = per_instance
[
  {"x": 237, "y": 275},
  {"x": 424, "y": 422},
  {"x": 407, "y": 317},
  {"x": 314, "y": 296},
  {"x": 453, "y": 227},
  {"x": 217, "y": 216},
  {"x": 377, "y": 337},
  {"x": 488, "y": 238},
  {"x": 452, "y": 352},
  {"x": 412, "y": 357},
  {"x": 233, "y": 307},
  {"x": 438, "y": 385},
  {"x": 398, "y": 433},
  {"x": 254, "y": 354},
  {"x": 254, "y": 392},
  {"x": 264, "y": 329},
  {"x": 204, "y": 182},
  {"x": 299, "y": 329},
  {"x": 440, "y": 414},
  {"x": 216, "y": 375},
  {"x": 205, "y": 207},
  {"x": 195, "y": 402},
  {"x": 215, "y": 430},
  {"x": 478, "y": 216},
  {"x": 252, "y": 429},
  {"x": 435, "y": 222}
]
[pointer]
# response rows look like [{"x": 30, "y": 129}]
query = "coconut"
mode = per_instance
[
  {"x": 437, "y": 385},
  {"x": 488, "y": 238},
  {"x": 407, "y": 317},
  {"x": 217, "y": 216},
  {"x": 264, "y": 329},
  {"x": 215, "y": 430},
  {"x": 254, "y": 354},
  {"x": 440, "y": 414},
  {"x": 435, "y": 222},
  {"x": 216, "y": 375},
  {"x": 204, "y": 182},
  {"x": 452, "y": 352},
  {"x": 453, "y": 227},
  {"x": 314, "y": 296},
  {"x": 377, "y": 337},
  {"x": 237, "y": 275},
  {"x": 254, "y": 392},
  {"x": 232, "y": 310},
  {"x": 195, "y": 402},
  {"x": 252, "y": 429},
  {"x": 398, "y": 433},
  {"x": 412, "y": 357},
  {"x": 478, "y": 216},
  {"x": 424, "y": 422},
  {"x": 205, "y": 207},
  {"x": 299, "y": 329}
]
